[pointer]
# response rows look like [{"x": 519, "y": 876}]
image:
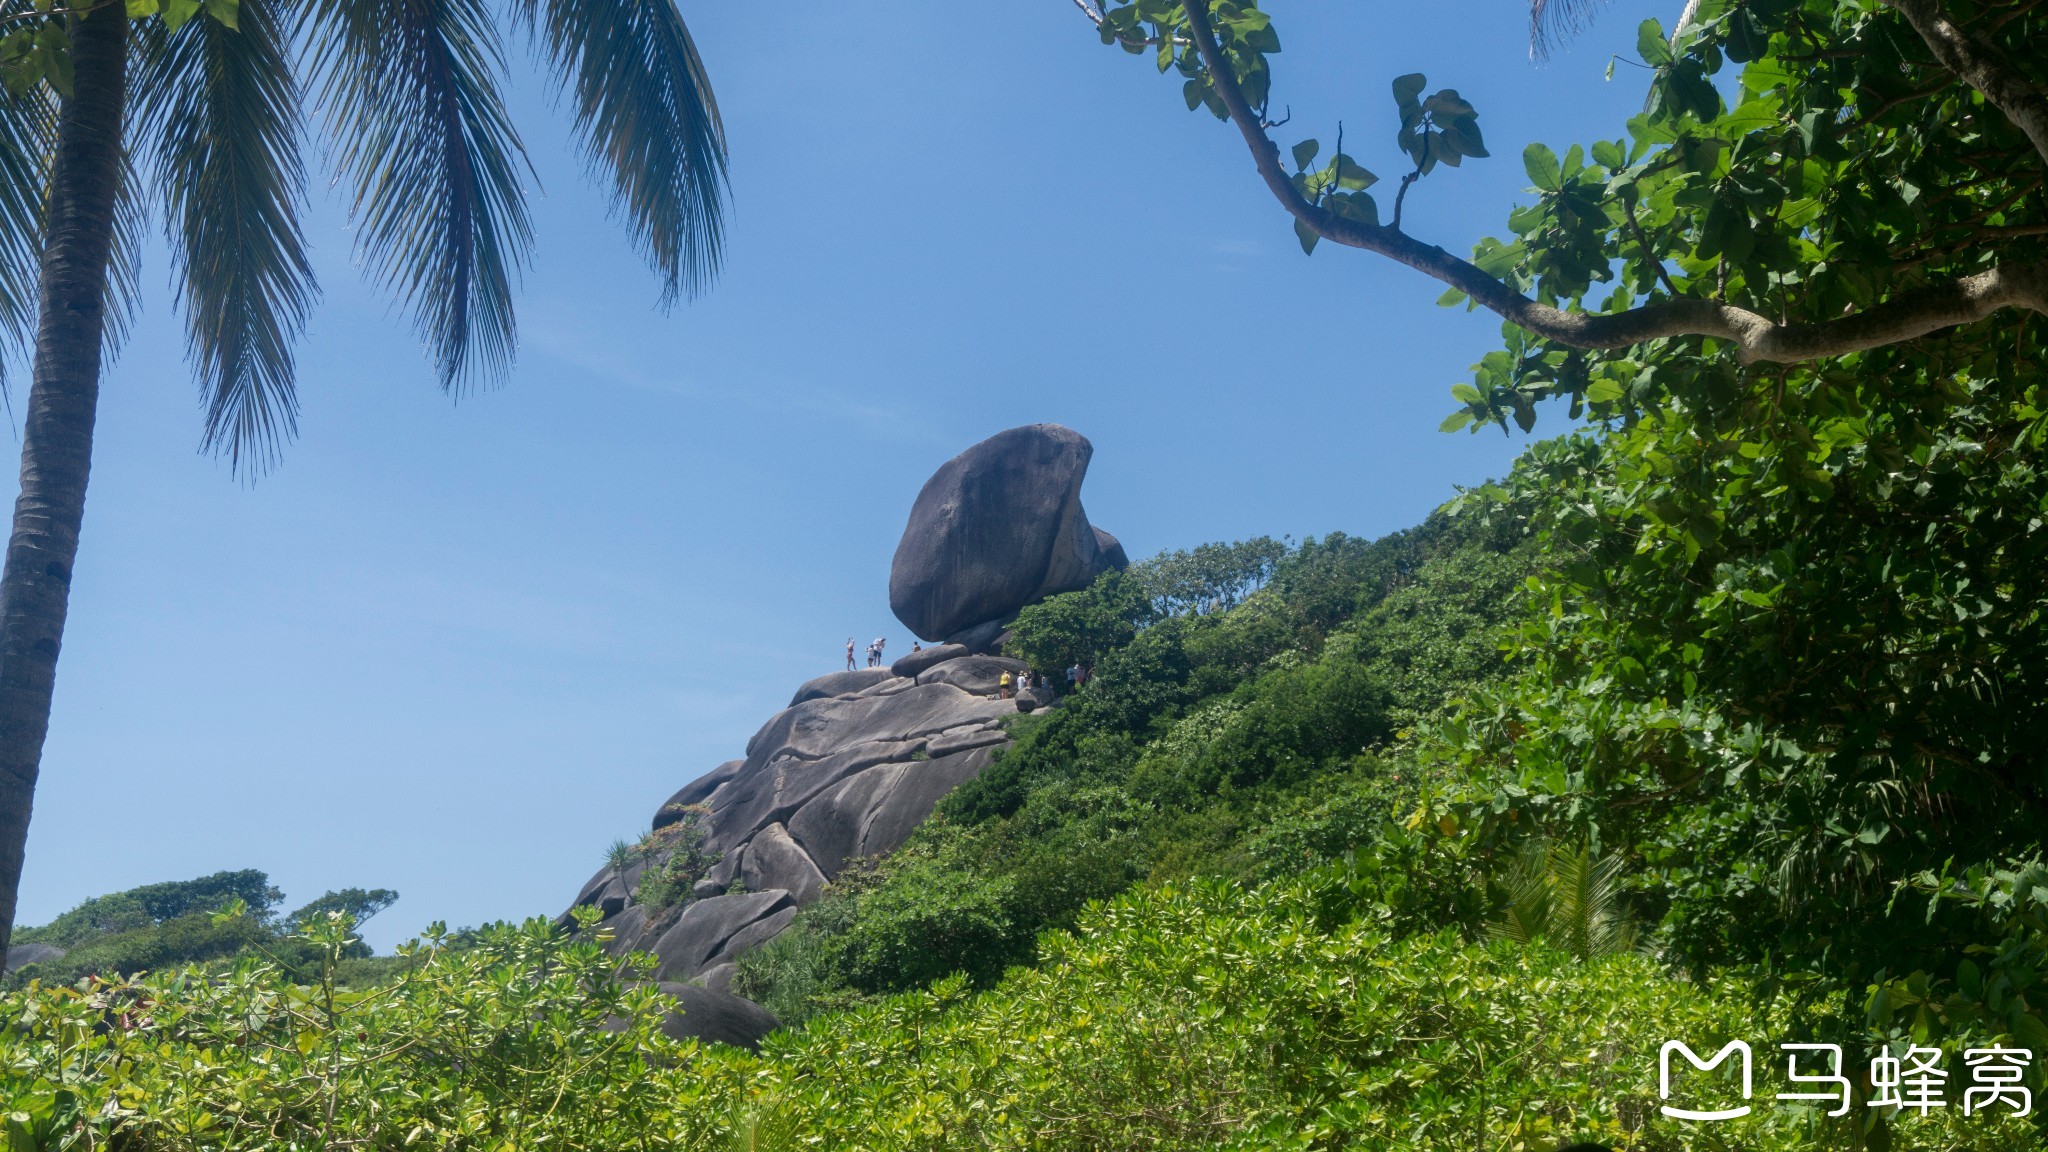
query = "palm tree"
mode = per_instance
[
  {"x": 1569, "y": 897},
  {"x": 204, "y": 118},
  {"x": 1552, "y": 22}
]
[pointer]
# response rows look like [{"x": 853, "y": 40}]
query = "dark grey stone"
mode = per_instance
[
  {"x": 721, "y": 875},
  {"x": 705, "y": 926},
  {"x": 816, "y": 729},
  {"x": 978, "y": 675},
  {"x": 759, "y": 932},
  {"x": 628, "y": 929},
  {"x": 717, "y": 1016},
  {"x": 875, "y": 811},
  {"x": 997, "y": 527},
  {"x": 608, "y": 892},
  {"x": 775, "y": 861},
  {"x": 696, "y": 792},
  {"x": 588, "y": 892},
  {"x": 1112, "y": 550},
  {"x": 917, "y": 662},
  {"x": 915, "y": 793},
  {"x": 947, "y": 743},
  {"x": 22, "y": 954},
  {"x": 770, "y": 793},
  {"x": 1035, "y": 699},
  {"x": 814, "y": 745},
  {"x": 983, "y": 639},
  {"x": 839, "y": 684}
]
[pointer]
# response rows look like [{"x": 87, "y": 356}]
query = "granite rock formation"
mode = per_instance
[
  {"x": 996, "y": 528},
  {"x": 830, "y": 779},
  {"x": 859, "y": 759}
]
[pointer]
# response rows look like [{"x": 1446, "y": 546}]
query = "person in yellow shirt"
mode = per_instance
[{"x": 1004, "y": 691}]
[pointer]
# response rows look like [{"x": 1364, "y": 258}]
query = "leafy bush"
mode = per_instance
[
  {"x": 524, "y": 1038},
  {"x": 152, "y": 904},
  {"x": 174, "y": 924},
  {"x": 1203, "y": 1016},
  {"x": 675, "y": 857}
]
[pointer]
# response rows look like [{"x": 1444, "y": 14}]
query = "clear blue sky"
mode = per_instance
[{"x": 456, "y": 650}]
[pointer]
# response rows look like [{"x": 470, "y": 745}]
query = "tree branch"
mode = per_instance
[
  {"x": 1981, "y": 66},
  {"x": 1757, "y": 338}
]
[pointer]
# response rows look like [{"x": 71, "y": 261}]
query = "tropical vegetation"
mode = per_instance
[
  {"x": 110, "y": 109},
  {"x": 181, "y": 923},
  {"x": 1716, "y": 719}
]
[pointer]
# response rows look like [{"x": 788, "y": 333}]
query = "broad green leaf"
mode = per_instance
[
  {"x": 1408, "y": 87},
  {"x": 1305, "y": 153},
  {"x": 1307, "y": 236},
  {"x": 1542, "y": 166},
  {"x": 1652, "y": 45},
  {"x": 1351, "y": 175},
  {"x": 1463, "y": 136}
]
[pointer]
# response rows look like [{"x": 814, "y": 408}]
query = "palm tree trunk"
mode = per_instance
[{"x": 56, "y": 446}]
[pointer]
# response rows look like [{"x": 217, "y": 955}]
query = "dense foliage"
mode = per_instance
[
  {"x": 1241, "y": 720},
  {"x": 183, "y": 922},
  {"x": 1311, "y": 860},
  {"x": 1785, "y": 654},
  {"x": 1199, "y": 1016}
]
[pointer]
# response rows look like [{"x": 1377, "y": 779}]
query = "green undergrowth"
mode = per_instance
[
  {"x": 1199, "y": 1015},
  {"x": 1245, "y": 718},
  {"x": 178, "y": 923}
]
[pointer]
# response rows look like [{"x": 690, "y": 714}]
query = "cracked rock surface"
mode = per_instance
[{"x": 851, "y": 768}]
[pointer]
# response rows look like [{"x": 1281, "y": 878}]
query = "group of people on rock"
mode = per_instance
[
  {"x": 1077, "y": 673},
  {"x": 1026, "y": 680},
  {"x": 875, "y": 647}
]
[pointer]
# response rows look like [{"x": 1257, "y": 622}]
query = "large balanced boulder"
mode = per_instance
[
  {"x": 859, "y": 759},
  {"x": 995, "y": 529}
]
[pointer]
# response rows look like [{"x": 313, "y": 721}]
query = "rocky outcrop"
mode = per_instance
[
  {"x": 917, "y": 662},
  {"x": 860, "y": 758},
  {"x": 830, "y": 779},
  {"x": 23, "y": 954},
  {"x": 996, "y": 528},
  {"x": 714, "y": 1015}
]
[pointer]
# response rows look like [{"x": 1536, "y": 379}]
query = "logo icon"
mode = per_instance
[{"x": 1708, "y": 1065}]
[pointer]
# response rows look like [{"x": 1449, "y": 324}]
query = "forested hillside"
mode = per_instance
[{"x": 1244, "y": 717}]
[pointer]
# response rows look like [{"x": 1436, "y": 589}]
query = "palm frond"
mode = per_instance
[
  {"x": 649, "y": 121},
  {"x": 28, "y": 129},
  {"x": 1568, "y": 897},
  {"x": 1552, "y": 22},
  {"x": 124, "y": 261},
  {"x": 410, "y": 90},
  {"x": 221, "y": 123}
]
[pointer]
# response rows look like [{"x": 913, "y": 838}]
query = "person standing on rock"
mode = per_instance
[
  {"x": 1003, "y": 686},
  {"x": 876, "y": 651},
  {"x": 849, "y": 653}
]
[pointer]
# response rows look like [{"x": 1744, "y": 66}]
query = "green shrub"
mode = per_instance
[{"x": 1198, "y": 1016}]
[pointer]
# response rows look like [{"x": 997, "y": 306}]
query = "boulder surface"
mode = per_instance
[
  {"x": 717, "y": 1016},
  {"x": 860, "y": 758},
  {"x": 996, "y": 528}
]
